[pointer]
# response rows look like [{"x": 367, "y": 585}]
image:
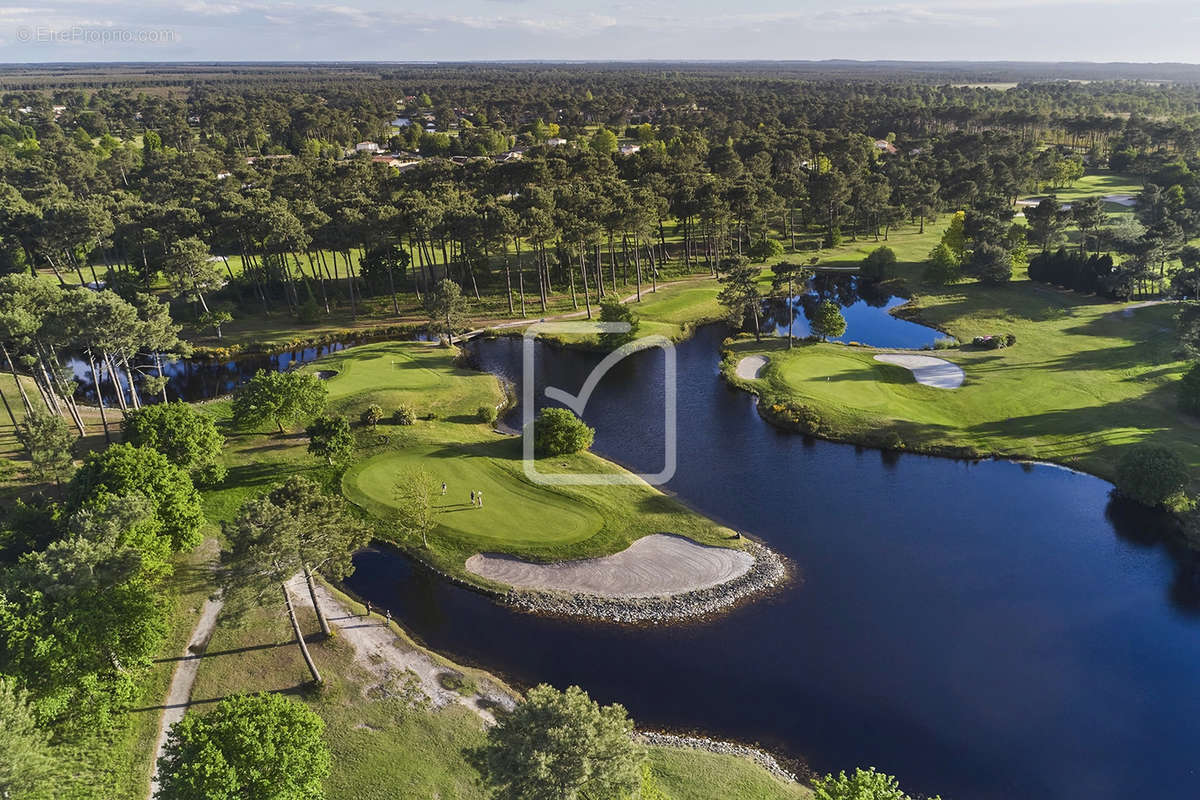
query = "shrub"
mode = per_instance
[
  {"x": 459, "y": 683},
  {"x": 832, "y": 239},
  {"x": 764, "y": 249},
  {"x": 404, "y": 415},
  {"x": 372, "y": 415},
  {"x": 557, "y": 431},
  {"x": 1153, "y": 476},
  {"x": 879, "y": 265},
  {"x": 892, "y": 440},
  {"x": 1189, "y": 390},
  {"x": 991, "y": 342},
  {"x": 308, "y": 312},
  {"x": 991, "y": 263},
  {"x": 945, "y": 343},
  {"x": 487, "y": 414},
  {"x": 942, "y": 267},
  {"x": 792, "y": 415},
  {"x": 1010, "y": 339}
]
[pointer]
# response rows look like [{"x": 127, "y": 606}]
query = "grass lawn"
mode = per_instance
[{"x": 1082, "y": 383}]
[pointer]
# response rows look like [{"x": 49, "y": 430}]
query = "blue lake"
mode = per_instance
[{"x": 987, "y": 631}]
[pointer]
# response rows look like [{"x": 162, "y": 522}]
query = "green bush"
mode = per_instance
[
  {"x": 791, "y": 415},
  {"x": 372, "y": 415},
  {"x": 557, "y": 431},
  {"x": 879, "y": 265},
  {"x": 945, "y": 343},
  {"x": 1153, "y": 476},
  {"x": 308, "y": 312},
  {"x": 487, "y": 414},
  {"x": 764, "y": 249},
  {"x": 1189, "y": 390},
  {"x": 404, "y": 415}
]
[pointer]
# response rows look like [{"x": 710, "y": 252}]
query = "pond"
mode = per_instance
[
  {"x": 866, "y": 306},
  {"x": 986, "y": 630},
  {"x": 193, "y": 379}
]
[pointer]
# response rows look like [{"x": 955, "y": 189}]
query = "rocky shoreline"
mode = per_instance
[
  {"x": 768, "y": 573},
  {"x": 760, "y": 757}
]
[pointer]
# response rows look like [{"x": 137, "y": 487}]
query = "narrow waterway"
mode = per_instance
[{"x": 986, "y": 631}]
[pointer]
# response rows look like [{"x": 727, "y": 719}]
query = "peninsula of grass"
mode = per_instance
[
  {"x": 448, "y": 443},
  {"x": 1083, "y": 382}
]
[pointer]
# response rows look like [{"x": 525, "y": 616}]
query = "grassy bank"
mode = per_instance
[
  {"x": 1083, "y": 382},
  {"x": 383, "y": 749}
]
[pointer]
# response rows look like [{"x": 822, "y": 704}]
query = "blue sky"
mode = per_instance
[{"x": 404, "y": 30}]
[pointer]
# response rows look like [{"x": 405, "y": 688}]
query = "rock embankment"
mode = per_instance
[
  {"x": 760, "y": 757},
  {"x": 767, "y": 572}
]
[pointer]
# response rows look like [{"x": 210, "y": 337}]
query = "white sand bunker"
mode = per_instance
[
  {"x": 927, "y": 369},
  {"x": 653, "y": 566},
  {"x": 1120, "y": 199},
  {"x": 750, "y": 367}
]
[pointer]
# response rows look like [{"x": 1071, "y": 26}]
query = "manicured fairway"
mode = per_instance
[
  {"x": 392, "y": 374},
  {"x": 514, "y": 512},
  {"x": 1083, "y": 382}
]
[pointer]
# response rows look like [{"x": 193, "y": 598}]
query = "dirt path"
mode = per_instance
[
  {"x": 380, "y": 650},
  {"x": 654, "y": 566},
  {"x": 180, "y": 692}
]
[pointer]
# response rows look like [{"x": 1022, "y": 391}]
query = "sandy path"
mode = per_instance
[
  {"x": 180, "y": 692},
  {"x": 1128, "y": 310},
  {"x": 927, "y": 370},
  {"x": 653, "y": 566},
  {"x": 380, "y": 651},
  {"x": 750, "y": 367}
]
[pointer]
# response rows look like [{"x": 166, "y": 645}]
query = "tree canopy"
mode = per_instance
[{"x": 249, "y": 747}]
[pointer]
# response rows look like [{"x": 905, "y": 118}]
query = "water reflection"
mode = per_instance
[{"x": 866, "y": 306}]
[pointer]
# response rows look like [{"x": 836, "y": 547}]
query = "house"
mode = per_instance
[
  {"x": 395, "y": 161},
  {"x": 366, "y": 147},
  {"x": 628, "y": 149},
  {"x": 555, "y": 142},
  {"x": 223, "y": 175},
  {"x": 401, "y": 122},
  {"x": 884, "y": 146}
]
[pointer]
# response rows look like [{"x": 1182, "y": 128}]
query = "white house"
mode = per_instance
[
  {"x": 401, "y": 122},
  {"x": 629, "y": 149},
  {"x": 555, "y": 142},
  {"x": 366, "y": 147}
]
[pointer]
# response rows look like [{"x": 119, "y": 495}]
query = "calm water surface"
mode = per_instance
[{"x": 987, "y": 631}]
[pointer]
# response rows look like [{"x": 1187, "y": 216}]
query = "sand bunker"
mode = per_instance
[
  {"x": 927, "y": 370},
  {"x": 750, "y": 367},
  {"x": 653, "y": 566}
]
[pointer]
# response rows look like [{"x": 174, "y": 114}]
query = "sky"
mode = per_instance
[{"x": 484, "y": 30}]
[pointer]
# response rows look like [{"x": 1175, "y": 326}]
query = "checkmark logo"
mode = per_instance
[{"x": 578, "y": 402}]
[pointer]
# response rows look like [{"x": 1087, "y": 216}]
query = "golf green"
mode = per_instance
[{"x": 515, "y": 512}]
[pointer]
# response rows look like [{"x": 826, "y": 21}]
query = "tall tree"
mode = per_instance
[
  {"x": 279, "y": 397},
  {"x": 561, "y": 746}
]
